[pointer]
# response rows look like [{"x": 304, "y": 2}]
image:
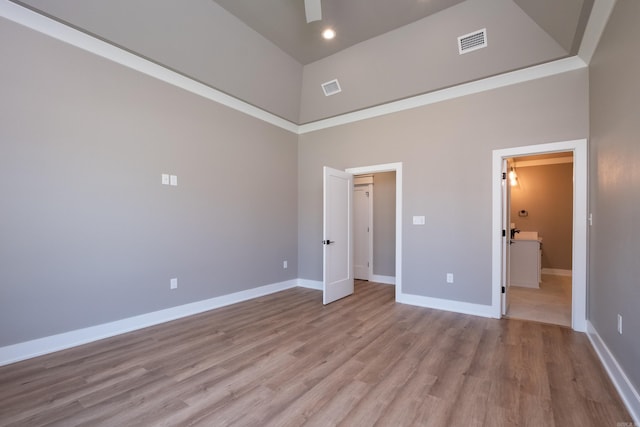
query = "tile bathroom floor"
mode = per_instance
[{"x": 551, "y": 303}]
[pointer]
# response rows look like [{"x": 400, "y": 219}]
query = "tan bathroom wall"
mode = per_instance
[{"x": 546, "y": 193}]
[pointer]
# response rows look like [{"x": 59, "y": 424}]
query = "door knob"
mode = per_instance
[{"x": 327, "y": 242}]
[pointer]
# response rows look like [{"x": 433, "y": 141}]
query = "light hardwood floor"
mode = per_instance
[
  {"x": 287, "y": 360},
  {"x": 551, "y": 303}
]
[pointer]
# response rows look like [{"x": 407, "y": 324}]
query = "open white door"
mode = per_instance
[
  {"x": 506, "y": 236},
  {"x": 337, "y": 238}
]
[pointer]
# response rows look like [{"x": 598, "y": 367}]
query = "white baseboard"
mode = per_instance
[
  {"x": 628, "y": 393},
  {"x": 387, "y": 280},
  {"x": 38, "y": 347},
  {"x": 311, "y": 284},
  {"x": 556, "y": 272},
  {"x": 446, "y": 305}
]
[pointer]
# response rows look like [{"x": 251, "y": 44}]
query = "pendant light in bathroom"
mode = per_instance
[{"x": 513, "y": 176}]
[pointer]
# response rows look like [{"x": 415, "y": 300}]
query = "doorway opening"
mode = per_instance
[
  {"x": 374, "y": 227},
  {"x": 337, "y": 254},
  {"x": 540, "y": 217},
  {"x": 397, "y": 247},
  {"x": 501, "y": 239}
]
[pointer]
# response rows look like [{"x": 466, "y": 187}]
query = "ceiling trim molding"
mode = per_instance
[
  {"x": 596, "y": 24},
  {"x": 501, "y": 80},
  {"x": 57, "y": 30}
]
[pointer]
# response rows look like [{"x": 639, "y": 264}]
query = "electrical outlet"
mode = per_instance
[
  {"x": 620, "y": 324},
  {"x": 449, "y": 277},
  {"x": 174, "y": 283},
  {"x": 174, "y": 180},
  {"x": 285, "y": 265},
  {"x": 165, "y": 179}
]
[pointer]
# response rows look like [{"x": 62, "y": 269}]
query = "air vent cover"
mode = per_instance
[
  {"x": 331, "y": 88},
  {"x": 472, "y": 41}
]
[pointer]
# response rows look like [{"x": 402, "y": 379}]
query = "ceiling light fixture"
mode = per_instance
[{"x": 328, "y": 34}]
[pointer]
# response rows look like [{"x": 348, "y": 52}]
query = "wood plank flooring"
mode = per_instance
[{"x": 287, "y": 360}]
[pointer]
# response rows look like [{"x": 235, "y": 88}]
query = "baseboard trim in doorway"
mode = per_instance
[
  {"x": 38, "y": 347},
  {"x": 446, "y": 305},
  {"x": 556, "y": 272},
  {"x": 627, "y": 391},
  {"x": 387, "y": 280}
]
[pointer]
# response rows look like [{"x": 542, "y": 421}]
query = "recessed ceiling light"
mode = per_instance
[{"x": 328, "y": 34}]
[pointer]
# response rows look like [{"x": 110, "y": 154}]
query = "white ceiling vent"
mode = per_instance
[
  {"x": 472, "y": 41},
  {"x": 331, "y": 88}
]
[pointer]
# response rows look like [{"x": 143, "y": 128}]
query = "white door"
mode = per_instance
[
  {"x": 362, "y": 230},
  {"x": 337, "y": 238},
  {"x": 506, "y": 236}
]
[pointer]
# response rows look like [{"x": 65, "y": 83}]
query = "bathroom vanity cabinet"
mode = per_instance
[{"x": 526, "y": 263}]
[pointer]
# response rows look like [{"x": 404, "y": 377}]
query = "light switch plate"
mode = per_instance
[
  {"x": 165, "y": 179},
  {"x": 418, "y": 220},
  {"x": 173, "y": 283},
  {"x": 174, "y": 180}
]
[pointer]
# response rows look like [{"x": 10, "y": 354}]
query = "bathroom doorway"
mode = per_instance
[
  {"x": 581, "y": 219},
  {"x": 540, "y": 210}
]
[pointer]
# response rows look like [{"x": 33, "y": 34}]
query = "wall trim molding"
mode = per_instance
[
  {"x": 446, "y": 305},
  {"x": 557, "y": 272},
  {"x": 57, "y": 30},
  {"x": 38, "y": 347},
  {"x": 559, "y": 66},
  {"x": 627, "y": 391},
  {"x": 387, "y": 280}
]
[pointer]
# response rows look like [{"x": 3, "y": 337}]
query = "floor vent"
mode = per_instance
[
  {"x": 331, "y": 88},
  {"x": 472, "y": 41}
]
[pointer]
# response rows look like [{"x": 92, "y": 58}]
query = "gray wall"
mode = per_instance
[
  {"x": 198, "y": 38},
  {"x": 384, "y": 224},
  {"x": 615, "y": 187},
  {"x": 88, "y": 234},
  {"x": 546, "y": 193},
  {"x": 446, "y": 151}
]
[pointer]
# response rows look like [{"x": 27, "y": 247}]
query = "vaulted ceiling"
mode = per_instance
[{"x": 264, "y": 53}]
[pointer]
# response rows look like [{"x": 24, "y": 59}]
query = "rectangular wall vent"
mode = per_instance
[
  {"x": 472, "y": 41},
  {"x": 331, "y": 88}
]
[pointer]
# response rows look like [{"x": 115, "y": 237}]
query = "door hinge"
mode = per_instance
[
  {"x": 504, "y": 175},
  {"x": 504, "y": 290},
  {"x": 367, "y": 263},
  {"x": 504, "y": 233},
  {"x": 367, "y": 193},
  {"x": 367, "y": 229}
]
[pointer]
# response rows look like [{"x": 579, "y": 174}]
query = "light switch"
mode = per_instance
[
  {"x": 418, "y": 220},
  {"x": 174, "y": 180},
  {"x": 165, "y": 179}
]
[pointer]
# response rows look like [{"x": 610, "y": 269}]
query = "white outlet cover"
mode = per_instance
[
  {"x": 165, "y": 179},
  {"x": 174, "y": 283},
  {"x": 284, "y": 264},
  {"x": 449, "y": 277},
  {"x": 174, "y": 180},
  {"x": 418, "y": 220}
]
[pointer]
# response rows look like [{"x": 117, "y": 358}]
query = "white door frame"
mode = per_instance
[
  {"x": 579, "y": 245},
  {"x": 397, "y": 168}
]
